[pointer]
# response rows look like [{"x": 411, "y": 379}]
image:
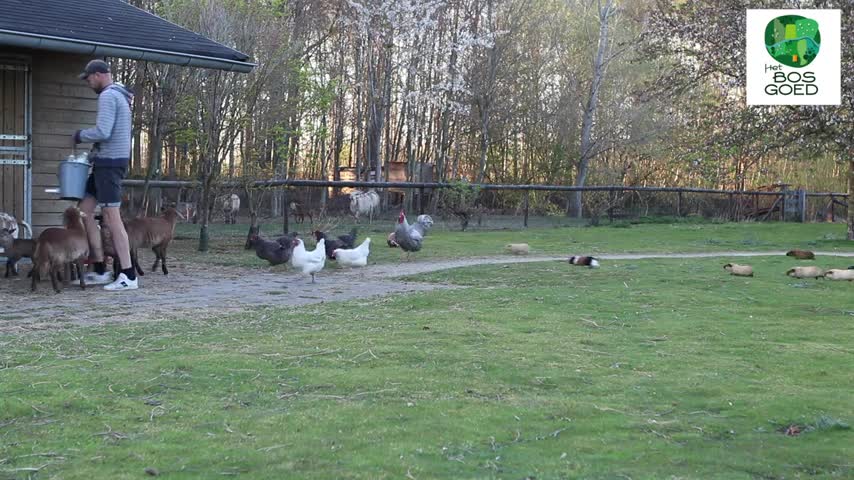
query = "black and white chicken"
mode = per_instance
[{"x": 347, "y": 241}]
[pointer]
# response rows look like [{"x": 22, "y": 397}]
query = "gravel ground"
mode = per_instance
[{"x": 193, "y": 290}]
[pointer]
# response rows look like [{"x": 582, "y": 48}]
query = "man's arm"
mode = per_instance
[{"x": 103, "y": 128}]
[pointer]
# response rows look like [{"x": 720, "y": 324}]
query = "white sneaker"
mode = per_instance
[
  {"x": 122, "y": 283},
  {"x": 93, "y": 278}
]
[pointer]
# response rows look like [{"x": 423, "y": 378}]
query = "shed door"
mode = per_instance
[{"x": 15, "y": 136}]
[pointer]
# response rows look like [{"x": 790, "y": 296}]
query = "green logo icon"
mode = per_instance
[{"x": 793, "y": 40}]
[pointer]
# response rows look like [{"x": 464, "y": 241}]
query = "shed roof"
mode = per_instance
[{"x": 111, "y": 28}]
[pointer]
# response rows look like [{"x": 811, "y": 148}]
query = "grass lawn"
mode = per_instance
[
  {"x": 442, "y": 243},
  {"x": 641, "y": 369}
]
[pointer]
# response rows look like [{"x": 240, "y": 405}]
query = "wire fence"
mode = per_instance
[{"x": 494, "y": 206}]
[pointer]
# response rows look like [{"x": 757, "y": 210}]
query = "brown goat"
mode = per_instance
[
  {"x": 299, "y": 212},
  {"x": 57, "y": 247},
  {"x": 110, "y": 251},
  {"x": 154, "y": 232}
]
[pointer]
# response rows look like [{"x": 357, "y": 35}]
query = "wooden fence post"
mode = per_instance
[
  {"x": 285, "y": 220},
  {"x": 783, "y": 206},
  {"x": 611, "y": 199},
  {"x": 679, "y": 203},
  {"x": 832, "y": 212},
  {"x": 756, "y": 206},
  {"x": 527, "y": 196},
  {"x": 802, "y": 204},
  {"x": 731, "y": 206}
]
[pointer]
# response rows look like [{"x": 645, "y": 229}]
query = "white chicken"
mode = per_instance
[
  {"x": 308, "y": 262},
  {"x": 354, "y": 257}
]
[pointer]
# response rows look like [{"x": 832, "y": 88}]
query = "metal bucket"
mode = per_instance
[{"x": 72, "y": 180}]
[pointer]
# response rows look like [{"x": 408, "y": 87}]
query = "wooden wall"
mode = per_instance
[{"x": 62, "y": 104}]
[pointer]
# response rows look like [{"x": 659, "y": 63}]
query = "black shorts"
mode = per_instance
[{"x": 105, "y": 184}]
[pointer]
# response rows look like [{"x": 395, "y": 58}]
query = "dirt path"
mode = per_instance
[{"x": 205, "y": 290}]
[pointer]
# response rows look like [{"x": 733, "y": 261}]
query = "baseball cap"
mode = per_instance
[{"x": 94, "y": 66}]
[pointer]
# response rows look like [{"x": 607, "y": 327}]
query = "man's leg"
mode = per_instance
[
  {"x": 126, "y": 280},
  {"x": 96, "y": 249},
  {"x": 109, "y": 183}
]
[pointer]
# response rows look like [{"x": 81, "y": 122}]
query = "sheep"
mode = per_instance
[
  {"x": 364, "y": 203},
  {"x": 801, "y": 254},
  {"x": 805, "y": 272},
  {"x": 57, "y": 247},
  {"x": 840, "y": 274},
  {"x": 518, "y": 248},
  {"x": 154, "y": 232},
  {"x": 15, "y": 249},
  {"x": 739, "y": 270},
  {"x": 230, "y": 205},
  {"x": 591, "y": 262}
]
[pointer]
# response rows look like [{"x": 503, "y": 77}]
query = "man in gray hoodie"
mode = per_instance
[{"x": 110, "y": 158}]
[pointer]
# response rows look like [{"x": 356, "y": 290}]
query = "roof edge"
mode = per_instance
[{"x": 70, "y": 45}]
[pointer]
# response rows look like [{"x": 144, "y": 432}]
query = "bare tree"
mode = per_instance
[{"x": 588, "y": 148}]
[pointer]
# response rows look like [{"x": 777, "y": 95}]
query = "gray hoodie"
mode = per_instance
[{"x": 112, "y": 131}]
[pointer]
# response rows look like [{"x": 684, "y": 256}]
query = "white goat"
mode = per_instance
[
  {"x": 364, "y": 203},
  {"x": 10, "y": 224},
  {"x": 230, "y": 207}
]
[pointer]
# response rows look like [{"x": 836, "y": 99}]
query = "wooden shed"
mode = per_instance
[{"x": 44, "y": 45}]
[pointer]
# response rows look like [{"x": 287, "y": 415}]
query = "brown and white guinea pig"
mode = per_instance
[
  {"x": 805, "y": 272},
  {"x": 584, "y": 261},
  {"x": 739, "y": 270},
  {"x": 801, "y": 254}
]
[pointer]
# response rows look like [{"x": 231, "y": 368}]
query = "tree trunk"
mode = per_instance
[
  {"x": 485, "y": 100},
  {"x": 410, "y": 113},
  {"x": 588, "y": 145},
  {"x": 136, "y": 158},
  {"x": 851, "y": 198},
  {"x": 338, "y": 121},
  {"x": 378, "y": 62},
  {"x": 155, "y": 146},
  {"x": 356, "y": 141},
  {"x": 253, "y": 227},
  {"x": 203, "y": 214},
  {"x": 323, "y": 162}
]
